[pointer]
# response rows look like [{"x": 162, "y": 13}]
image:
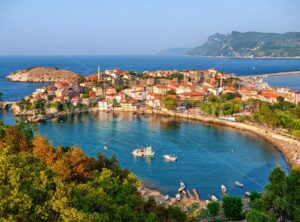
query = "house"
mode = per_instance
[
  {"x": 183, "y": 88},
  {"x": 98, "y": 90},
  {"x": 76, "y": 101},
  {"x": 110, "y": 90},
  {"x": 105, "y": 105},
  {"x": 160, "y": 89},
  {"x": 192, "y": 96},
  {"x": 87, "y": 84}
]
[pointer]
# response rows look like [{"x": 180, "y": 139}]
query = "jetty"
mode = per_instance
[{"x": 272, "y": 74}]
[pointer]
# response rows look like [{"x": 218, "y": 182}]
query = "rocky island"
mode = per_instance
[{"x": 41, "y": 74}]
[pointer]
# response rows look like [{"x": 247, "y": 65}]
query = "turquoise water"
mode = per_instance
[
  {"x": 208, "y": 156},
  {"x": 292, "y": 81}
]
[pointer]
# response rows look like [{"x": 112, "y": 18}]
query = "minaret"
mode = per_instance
[{"x": 99, "y": 73}]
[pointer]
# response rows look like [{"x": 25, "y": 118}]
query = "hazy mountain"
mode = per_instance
[
  {"x": 250, "y": 44},
  {"x": 174, "y": 51}
]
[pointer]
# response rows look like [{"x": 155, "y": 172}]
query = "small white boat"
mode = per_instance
[
  {"x": 166, "y": 197},
  {"x": 143, "y": 152},
  {"x": 239, "y": 184},
  {"x": 148, "y": 152},
  {"x": 105, "y": 148},
  {"x": 182, "y": 185},
  {"x": 138, "y": 152},
  {"x": 213, "y": 197},
  {"x": 247, "y": 194},
  {"x": 224, "y": 189},
  {"x": 170, "y": 157}
]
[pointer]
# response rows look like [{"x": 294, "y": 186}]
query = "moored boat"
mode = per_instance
[
  {"x": 148, "y": 152},
  {"x": 143, "y": 152},
  {"x": 105, "y": 148},
  {"x": 213, "y": 197},
  {"x": 247, "y": 194},
  {"x": 170, "y": 157},
  {"x": 239, "y": 184},
  {"x": 224, "y": 189}
]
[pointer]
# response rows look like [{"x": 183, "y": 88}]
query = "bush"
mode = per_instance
[{"x": 232, "y": 207}]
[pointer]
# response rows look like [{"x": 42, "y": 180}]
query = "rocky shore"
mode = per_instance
[{"x": 41, "y": 74}]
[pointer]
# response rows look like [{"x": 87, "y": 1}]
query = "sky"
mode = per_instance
[{"x": 132, "y": 27}]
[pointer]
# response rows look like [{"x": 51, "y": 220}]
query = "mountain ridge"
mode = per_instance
[{"x": 250, "y": 44}]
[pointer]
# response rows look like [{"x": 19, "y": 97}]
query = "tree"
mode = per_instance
[
  {"x": 232, "y": 207},
  {"x": 26, "y": 188},
  {"x": 259, "y": 216},
  {"x": 275, "y": 195},
  {"x": 293, "y": 194},
  {"x": 170, "y": 103},
  {"x": 171, "y": 92},
  {"x": 213, "y": 208}
]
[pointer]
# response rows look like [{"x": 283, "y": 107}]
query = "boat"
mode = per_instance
[
  {"x": 239, "y": 184},
  {"x": 170, "y": 157},
  {"x": 177, "y": 197},
  {"x": 138, "y": 152},
  {"x": 143, "y": 152},
  {"x": 148, "y": 152},
  {"x": 224, "y": 189},
  {"x": 247, "y": 194},
  {"x": 105, "y": 148},
  {"x": 213, "y": 197},
  {"x": 182, "y": 185}
]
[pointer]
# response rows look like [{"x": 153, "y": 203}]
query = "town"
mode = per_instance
[{"x": 151, "y": 91}]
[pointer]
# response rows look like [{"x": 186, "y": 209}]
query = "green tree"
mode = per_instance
[
  {"x": 259, "y": 216},
  {"x": 232, "y": 207},
  {"x": 170, "y": 103},
  {"x": 213, "y": 208},
  {"x": 275, "y": 195}
]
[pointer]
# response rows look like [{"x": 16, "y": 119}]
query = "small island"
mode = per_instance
[{"x": 41, "y": 74}]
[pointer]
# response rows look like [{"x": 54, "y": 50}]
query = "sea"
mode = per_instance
[{"x": 208, "y": 155}]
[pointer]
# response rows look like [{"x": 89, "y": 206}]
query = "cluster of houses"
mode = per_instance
[{"x": 129, "y": 90}]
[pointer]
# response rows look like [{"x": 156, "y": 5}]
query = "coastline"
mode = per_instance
[{"x": 284, "y": 144}]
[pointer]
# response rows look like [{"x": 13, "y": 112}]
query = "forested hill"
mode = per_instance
[{"x": 250, "y": 44}]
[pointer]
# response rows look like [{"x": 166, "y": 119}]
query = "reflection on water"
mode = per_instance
[{"x": 208, "y": 155}]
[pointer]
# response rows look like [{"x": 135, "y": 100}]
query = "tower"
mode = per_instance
[{"x": 99, "y": 73}]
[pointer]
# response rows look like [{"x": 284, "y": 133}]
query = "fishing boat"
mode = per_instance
[
  {"x": 170, "y": 157},
  {"x": 213, "y": 197},
  {"x": 143, "y": 152},
  {"x": 105, "y": 148},
  {"x": 239, "y": 184},
  {"x": 224, "y": 189}
]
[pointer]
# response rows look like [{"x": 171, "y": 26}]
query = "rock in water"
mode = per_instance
[{"x": 41, "y": 74}]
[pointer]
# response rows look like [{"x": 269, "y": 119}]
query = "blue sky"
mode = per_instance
[{"x": 103, "y": 27}]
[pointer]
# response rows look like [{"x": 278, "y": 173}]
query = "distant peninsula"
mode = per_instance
[
  {"x": 41, "y": 74},
  {"x": 250, "y": 45}
]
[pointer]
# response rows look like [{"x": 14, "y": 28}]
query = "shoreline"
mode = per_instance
[{"x": 285, "y": 144}]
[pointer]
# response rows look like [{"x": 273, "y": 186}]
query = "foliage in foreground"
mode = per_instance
[
  {"x": 280, "y": 201},
  {"x": 41, "y": 183}
]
